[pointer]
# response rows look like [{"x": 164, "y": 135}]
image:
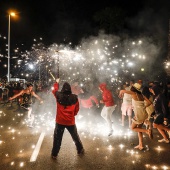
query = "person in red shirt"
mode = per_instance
[
  {"x": 67, "y": 109},
  {"x": 109, "y": 106},
  {"x": 87, "y": 100}
]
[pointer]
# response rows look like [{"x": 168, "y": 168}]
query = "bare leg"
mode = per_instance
[
  {"x": 130, "y": 121},
  {"x": 161, "y": 128},
  {"x": 32, "y": 119},
  {"x": 30, "y": 116},
  {"x": 138, "y": 128},
  {"x": 123, "y": 119},
  {"x": 140, "y": 137},
  {"x": 29, "y": 113}
]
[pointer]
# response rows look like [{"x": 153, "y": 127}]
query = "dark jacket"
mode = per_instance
[
  {"x": 160, "y": 102},
  {"x": 67, "y": 104}
]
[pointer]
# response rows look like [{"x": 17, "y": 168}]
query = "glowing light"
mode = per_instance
[
  {"x": 13, "y": 130},
  {"x": 147, "y": 165},
  {"x": 12, "y": 14},
  {"x": 164, "y": 167},
  {"x": 31, "y": 66},
  {"x": 12, "y": 163},
  {"x": 130, "y": 64},
  {"x": 121, "y": 146},
  {"x": 140, "y": 42},
  {"x": 154, "y": 167},
  {"x": 33, "y": 146},
  {"x": 21, "y": 164},
  {"x": 110, "y": 147}
]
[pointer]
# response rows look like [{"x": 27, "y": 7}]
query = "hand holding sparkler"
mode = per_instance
[{"x": 57, "y": 80}]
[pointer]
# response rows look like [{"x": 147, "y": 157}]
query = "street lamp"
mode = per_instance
[
  {"x": 10, "y": 14},
  {"x": 46, "y": 75}
]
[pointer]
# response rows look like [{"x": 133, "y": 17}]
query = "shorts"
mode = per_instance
[
  {"x": 159, "y": 119},
  {"x": 126, "y": 109},
  {"x": 26, "y": 106}
]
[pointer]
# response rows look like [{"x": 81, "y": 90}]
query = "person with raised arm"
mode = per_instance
[
  {"x": 140, "y": 114},
  {"x": 27, "y": 101},
  {"x": 66, "y": 110}
]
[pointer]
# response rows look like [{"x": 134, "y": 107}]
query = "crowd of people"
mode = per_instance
[{"x": 147, "y": 106}]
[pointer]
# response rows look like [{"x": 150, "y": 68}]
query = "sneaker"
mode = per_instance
[
  {"x": 80, "y": 152},
  {"x": 163, "y": 140}
]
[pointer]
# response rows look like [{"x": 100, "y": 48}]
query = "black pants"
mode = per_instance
[{"x": 58, "y": 135}]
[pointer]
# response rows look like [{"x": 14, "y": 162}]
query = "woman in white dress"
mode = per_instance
[{"x": 140, "y": 114}]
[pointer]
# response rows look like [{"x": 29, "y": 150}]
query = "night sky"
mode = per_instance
[
  {"x": 65, "y": 21},
  {"x": 71, "y": 20}
]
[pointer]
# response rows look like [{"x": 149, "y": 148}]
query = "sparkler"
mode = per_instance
[
  {"x": 102, "y": 57},
  {"x": 58, "y": 65},
  {"x": 52, "y": 75}
]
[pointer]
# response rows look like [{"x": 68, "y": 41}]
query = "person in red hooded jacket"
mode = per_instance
[
  {"x": 109, "y": 106},
  {"x": 67, "y": 109}
]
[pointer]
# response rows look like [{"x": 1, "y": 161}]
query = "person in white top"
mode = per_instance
[{"x": 126, "y": 106}]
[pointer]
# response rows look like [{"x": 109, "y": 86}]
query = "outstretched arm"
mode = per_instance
[
  {"x": 15, "y": 96},
  {"x": 125, "y": 91},
  {"x": 95, "y": 100},
  {"x": 35, "y": 95}
]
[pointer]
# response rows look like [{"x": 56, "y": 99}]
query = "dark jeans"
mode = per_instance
[{"x": 58, "y": 135}]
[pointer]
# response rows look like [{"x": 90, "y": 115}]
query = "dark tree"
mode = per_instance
[{"x": 111, "y": 20}]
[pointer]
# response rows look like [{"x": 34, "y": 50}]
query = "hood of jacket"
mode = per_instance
[
  {"x": 102, "y": 86},
  {"x": 66, "y": 89}
]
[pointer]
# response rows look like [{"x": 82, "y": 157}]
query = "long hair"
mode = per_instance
[{"x": 65, "y": 97}]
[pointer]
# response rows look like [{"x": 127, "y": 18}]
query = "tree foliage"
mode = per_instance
[{"x": 110, "y": 19}]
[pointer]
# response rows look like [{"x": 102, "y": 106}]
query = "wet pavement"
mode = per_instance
[{"x": 27, "y": 148}]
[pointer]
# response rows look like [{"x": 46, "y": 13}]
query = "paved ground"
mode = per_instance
[{"x": 27, "y": 148}]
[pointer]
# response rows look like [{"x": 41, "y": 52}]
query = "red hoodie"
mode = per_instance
[
  {"x": 106, "y": 95},
  {"x": 67, "y": 108}
]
